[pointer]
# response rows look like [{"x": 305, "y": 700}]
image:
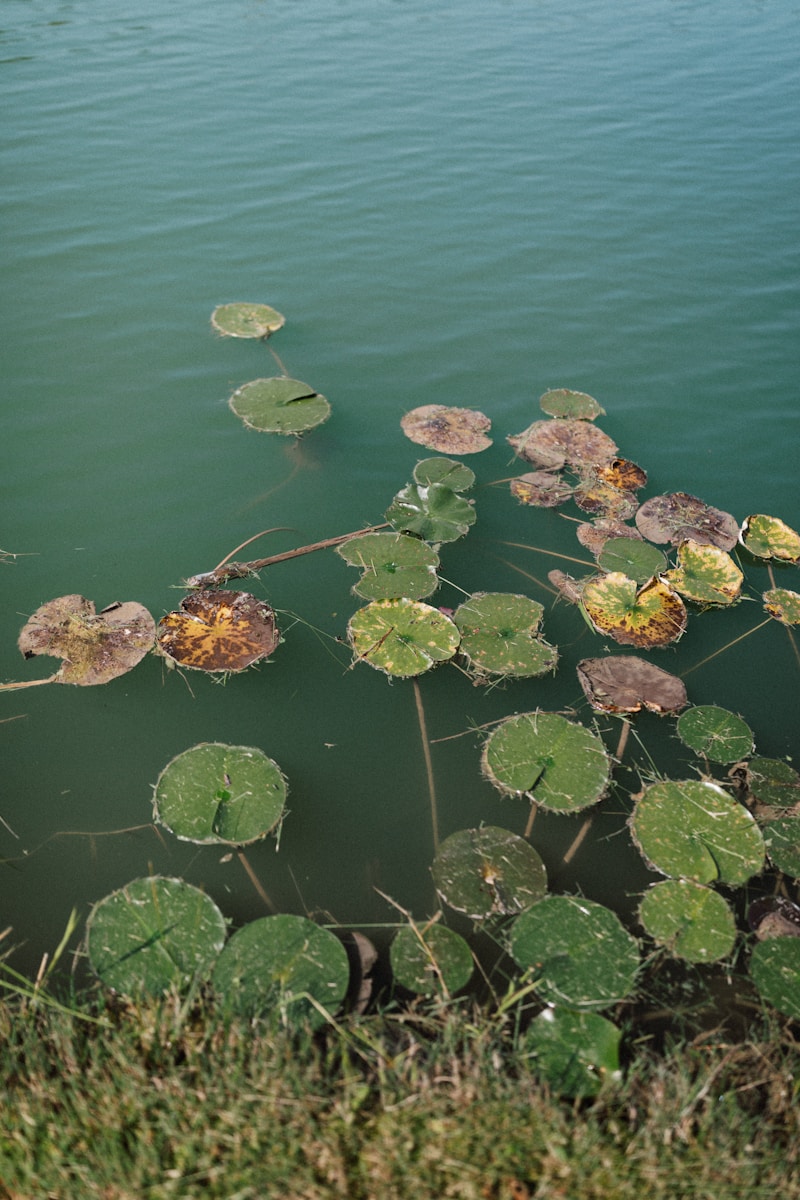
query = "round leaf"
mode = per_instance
[
  {"x": 500, "y": 635},
  {"x": 488, "y": 872},
  {"x": 651, "y": 616},
  {"x": 769, "y": 537},
  {"x": 678, "y": 516},
  {"x": 626, "y": 683},
  {"x": 557, "y": 763},
  {"x": 218, "y": 631},
  {"x": 455, "y": 475},
  {"x": 718, "y": 734},
  {"x": 279, "y": 405},
  {"x": 782, "y": 839},
  {"x": 94, "y": 647},
  {"x": 783, "y": 605},
  {"x": 541, "y": 489},
  {"x": 692, "y": 921},
  {"x": 218, "y": 793},
  {"x": 596, "y": 495},
  {"x": 775, "y": 968},
  {"x": 451, "y": 430},
  {"x": 402, "y": 637},
  {"x": 561, "y": 402},
  {"x": 430, "y": 960},
  {"x": 596, "y": 534},
  {"x": 394, "y": 564},
  {"x": 557, "y": 443},
  {"x": 574, "y": 1052},
  {"x": 705, "y": 574},
  {"x": 773, "y": 784},
  {"x": 638, "y": 560},
  {"x": 246, "y": 320},
  {"x": 435, "y": 513}
]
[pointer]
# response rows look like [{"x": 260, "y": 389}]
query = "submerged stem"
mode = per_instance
[{"x": 426, "y": 750}]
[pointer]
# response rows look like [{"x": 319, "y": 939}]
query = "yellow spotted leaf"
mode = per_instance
[
  {"x": 650, "y": 616},
  {"x": 705, "y": 574},
  {"x": 218, "y": 630}
]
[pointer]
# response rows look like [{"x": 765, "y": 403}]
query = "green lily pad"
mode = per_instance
[
  {"x": 651, "y": 616},
  {"x": 402, "y": 637},
  {"x": 541, "y": 489},
  {"x": 625, "y": 683},
  {"x": 246, "y": 320},
  {"x": 578, "y": 952},
  {"x": 782, "y": 839},
  {"x": 561, "y": 402},
  {"x": 691, "y": 920},
  {"x": 775, "y": 968},
  {"x": 629, "y": 556},
  {"x": 575, "y": 1053},
  {"x": 152, "y": 935},
  {"x": 678, "y": 516},
  {"x": 430, "y": 960},
  {"x": 557, "y": 763},
  {"x": 272, "y": 965},
  {"x": 394, "y": 564},
  {"x": 436, "y": 513},
  {"x": 694, "y": 830},
  {"x": 772, "y": 784},
  {"x": 218, "y": 793},
  {"x": 455, "y": 475},
  {"x": 783, "y": 605},
  {"x": 705, "y": 574},
  {"x": 279, "y": 405},
  {"x": 500, "y": 635},
  {"x": 563, "y": 442},
  {"x": 488, "y": 872},
  {"x": 718, "y": 734},
  {"x": 769, "y": 537}
]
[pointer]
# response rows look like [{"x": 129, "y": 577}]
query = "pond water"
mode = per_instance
[{"x": 453, "y": 203}]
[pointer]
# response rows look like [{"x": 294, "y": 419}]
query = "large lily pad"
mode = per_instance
[
  {"x": 402, "y": 637},
  {"x": 94, "y": 647},
  {"x": 218, "y": 793},
  {"x": 561, "y": 402},
  {"x": 638, "y": 560},
  {"x": 450, "y": 430},
  {"x": 436, "y": 513},
  {"x": 705, "y": 574},
  {"x": 246, "y": 320},
  {"x": 430, "y": 960},
  {"x": 500, "y": 635},
  {"x": 153, "y": 935},
  {"x": 624, "y": 683},
  {"x": 279, "y": 405},
  {"x": 651, "y": 616},
  {"x": 218, "y": 630},
  {"x": 576, "y": 1053},
  {"x": 541, "y": 489},
  {"x": 488, "y": 872},
  {"x": 558, "y": 443},
  {"x": 677, "y": 517},
  {"x": 715, "y": 732},
  {"x": 769, "y": 537},
  {"x": 394, "y": 564},
  {"x": 783, "y": 605},
  {"x": 694, "y": 830},
  {"x": 557, "y": 763},
  {"x": 691, "y": 920},
  {"x": 775, "y": 968}
]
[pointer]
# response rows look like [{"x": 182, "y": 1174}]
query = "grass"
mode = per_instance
[{"x": 173, "y": 1099}]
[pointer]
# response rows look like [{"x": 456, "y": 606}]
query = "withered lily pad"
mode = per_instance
[
  {"x": 705, "y": 574},
  {"x": 221, "y": 630},
  {"x": 783, "y": 605},
  {"x": 650, "y": 616},
  {"x": 561, "y": 402},
  {"x": 596, "y": 495},
  {"x": 279, "y": 405},
  {"x": 246, "y": 320},
  {"x": 769, "y": 537},
  {"x": 402, "y": 637},
  {"x": 94, "y": 647},
  {"x": 774, "y": 916},
  {"x": 541, "y": 489},
  {"x": 678, "y": 516},
  {"x": 451, "y": 430},
  {"x": 624, "y": 683},
  {"x": 500, "y": 635},
  {"x": 558, "y": 443},
  {"x": 594, "y": 535}
]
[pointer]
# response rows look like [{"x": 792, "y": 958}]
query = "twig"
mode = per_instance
[
  {"x": 426, "y": 750},
  {"x": 239, "y": 570}
]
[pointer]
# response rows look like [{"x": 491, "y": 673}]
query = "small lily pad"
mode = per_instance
[
  {"x": 246, "y": 320},
  {"x": 500, "y": 635},
  {"x": 691, "y": 920},
  {"x": 454, "y": 475},
  {"x": 772, "y": 784},
  {"x": 279, "y": 405},
  {"x": 782, "y": 839},
  {"x": 451, "y": 430},
  {"x": 488, "y": 872},
  {"x": 718, "y": 734},
  {"x": 769, "y": 537},
  {"x": 651, "y": 616},
  {"x": 394, "y": 564},
  {"x": 402, "y": 637},
  {"x": 624, "y": 683},
  {"x": 219, "y": 630},
  {"x": 541, "y": 489},
  {"x": 558, "y": 443},
  {"x": 561, "y": 402},
  {"x": 94, "y": 647},
  {"x": 705, "y": 574},
  {"x": 775, "y": 969},
  {"x": 430, "y": 960},
  {"x": 677, "y": 517},
  {"x": 575, "y": 1053},
  {"x": 638, "y": 560},
  {"x": 594, "y": 495},
  {"x": 436, "y": 513},
  {"x": 783, "y": 605}
]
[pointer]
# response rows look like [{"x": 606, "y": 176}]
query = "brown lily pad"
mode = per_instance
[
  {"x": 596, "y": 495},
  {"x": 541, "y": 489},
  {"x": 94, "y": 647},
  {"x": 219, "y": 631},
  {"x": 449, "y": 430},
  {"x": 678, "y": 517},
  {"x": 624, "y": 683},
  {"x": 558, "y": 443}
]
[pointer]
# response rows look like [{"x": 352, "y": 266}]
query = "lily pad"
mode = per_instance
[
  {"x": 558, "y": 443},
  {"x": 274, "y": 964},
  {"x": 436, "y": 513},
  {"x": 153, "y": 935},
  {"x": 454, "y": 475},
  {"x": 577, "y": 951},
  {"x": 677, "y": 517},
  {"x": 769, "y": 537},
  {"x": 624, "y": 474},
  {"x": 772, "y": 784},
  {"x": 451, "y": 430},
  {"x": 651, "y": 616},
  {"x": 94, "y": 647},
  {"x": 402, "y": 637},
  {"x": 691, "y": 920},
  {"x": 500, "y": 635},
  {"x": 541, "y": 489},
  {"x": 561, "y": 402},
  {"x": 595, "y": 534},
  {"x": 624, "y": 683},
  {"x": 718, "y": 734},
  {"x": 597, "y": 496},
  {"x": 394, "y": 564},
  {"x": 431, "y": 960},
  {"x": 636, "y": 559},
  {"x": 705, "y": 574},
  {"x": 559, "y": 764},
  {"x": 218, "y": 793},
  {"x": 246, "y": 320},
  {"x": 575, "y": 1053},
  {"x": 279, "y": 405},
  {"x": 783, "y": 605},
  {"x": 775, "y": 969},
  {"x": 218, "y": 630},
  {"x": 488, "y": 872},
  {"x": 782, "y": 839},
  {"x": 694, "y": 830}
]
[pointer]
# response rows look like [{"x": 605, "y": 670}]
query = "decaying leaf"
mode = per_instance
[
  {"x": 541, "y": 489},
  {"x": 567, "y": 586},
  {"x": 650, "y": 616},
  {"x": 677, "y": 516},
  {"x": 594, "y": 535},
  {"x": 705, "y": 574},
  {"x": 783, "y": 605},
  {"x": 626, "y": 683},
  {"x": 774, "y": 916},
  {"x": 222, "y": 630},
  {"x": 450, "y": 430},
  {"x": 596, "y": 495},
  {"x": 94, "y": 647},
  {"x": 769, "y": 537},
  {"x": 557, "y": 443}
]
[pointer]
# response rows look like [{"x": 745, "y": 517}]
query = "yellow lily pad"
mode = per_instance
[
  {"x": 653, "y": 615},
  {"x": 705, "y": 574}
]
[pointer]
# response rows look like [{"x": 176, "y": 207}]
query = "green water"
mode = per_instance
[{"x": 455, "y": 203}]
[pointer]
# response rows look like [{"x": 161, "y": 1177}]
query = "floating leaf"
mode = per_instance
[
  {"x": 625, "y": 683},
  {"x": 430, "y": 960},
  {"x": 402, "y": 637},
  {"x": 435, "y": 513},
  {"x": 218, "y": 793},
  {"x": 451, "y": 430},
  {"x": 595, "y": 495},
  {"x": 577, "y": 950},
  {"x": 153, "y": 935},
  {"x": 576, "y": 1053},
  {"x": 775, "y": 968},
  {"x": 246, "y": 320},
  {"x": 769, "y": 537},
  {"x": 653, "y": 615},
  {"x": 594, "y": 535},
  {"x": 772, "y": 784},
  {"x": 782, "y": 839},
  {"x": 695, "y": 830},
  {"x": 488, "y": 872},
  {"x": 558, "y": 443},
  {"x": 691, "y": 920},
  {"x": 677, "y": 516},
  {"x": 622, "y": 473},
  {"x": 783, "y": 605},
  {"x": 636, "y": 559},
  {"x": 541, "y": 489},
  {"x": 705, "y": 574},
  {"x": 279, "y": 405},
  {"x": 500, "y": 635},
  {"x": 561, "y": 765},
  {"x": 219, "y": 631},
  {"x": 718, "y": 734},
  {"x": 394, "y": 564},
  {"x": 274, "y": 964},
  {"x": 561, "y": 402},
  {"x": 454, "y": 475},
  {"x": 94, "y": 647}
]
